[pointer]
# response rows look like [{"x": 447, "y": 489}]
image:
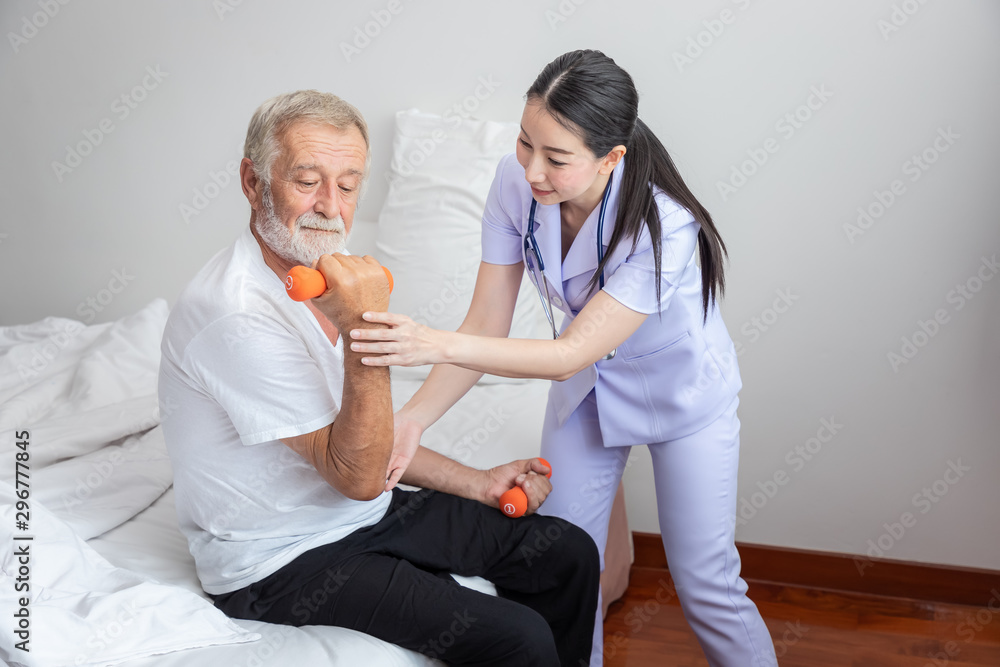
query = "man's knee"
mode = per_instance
[{"x": 571, "y": 543}]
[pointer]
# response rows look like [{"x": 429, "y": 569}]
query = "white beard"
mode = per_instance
[{"x": 305, "y": 244}]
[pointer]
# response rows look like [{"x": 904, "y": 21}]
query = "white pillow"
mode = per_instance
[{"x": 430, "y": 225}]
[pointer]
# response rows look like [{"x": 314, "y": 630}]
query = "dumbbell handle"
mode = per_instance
[{"x": 304, "y": 283}]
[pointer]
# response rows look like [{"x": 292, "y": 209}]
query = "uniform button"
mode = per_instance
[{"x": 556, "y": 300}]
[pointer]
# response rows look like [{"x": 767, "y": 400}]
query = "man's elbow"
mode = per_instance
[
  {"x": 368, "y": 490},
  {"x": 361, "y": 479}
]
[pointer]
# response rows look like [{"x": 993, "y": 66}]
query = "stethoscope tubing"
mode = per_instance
[{"x": 530, "y": 242}]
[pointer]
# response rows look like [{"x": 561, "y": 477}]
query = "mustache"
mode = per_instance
[{"x": 316, "y": 221}]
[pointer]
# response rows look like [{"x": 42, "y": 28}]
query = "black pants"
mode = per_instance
[{"x": 391, "y": 581}]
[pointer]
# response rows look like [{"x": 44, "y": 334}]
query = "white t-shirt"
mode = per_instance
[{"x": 243, "y": 365}]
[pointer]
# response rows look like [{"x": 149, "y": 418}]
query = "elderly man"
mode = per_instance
[{"x": 281, "y": 439}]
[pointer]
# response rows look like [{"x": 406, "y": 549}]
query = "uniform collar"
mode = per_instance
[{"x": 548, "y": 234}]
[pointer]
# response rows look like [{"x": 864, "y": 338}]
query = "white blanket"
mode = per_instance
[
  {"x": 81, "y": 610},
  {"x": 84, "y": 399}
]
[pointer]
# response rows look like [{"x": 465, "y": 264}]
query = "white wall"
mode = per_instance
[{"x": 63, "y": 236}]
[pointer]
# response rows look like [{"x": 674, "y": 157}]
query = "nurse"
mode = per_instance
[{"x": 592, "y": 206}]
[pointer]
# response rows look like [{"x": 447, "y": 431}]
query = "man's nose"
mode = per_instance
[{"x": 328, "y": 200}]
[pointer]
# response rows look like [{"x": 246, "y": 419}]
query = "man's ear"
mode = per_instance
[
  {"x": 611, "y": 160},
  {"x": 252, "y": 186}
]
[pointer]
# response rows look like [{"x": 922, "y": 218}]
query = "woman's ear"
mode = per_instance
[{"x": 611, "y": 160}]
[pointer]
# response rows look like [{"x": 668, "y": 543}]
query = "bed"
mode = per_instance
[{"x": 108, "y": 574}]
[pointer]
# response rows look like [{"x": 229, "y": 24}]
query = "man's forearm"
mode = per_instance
[
  {"x": 361, "y": 436},
  {"x": 431, "y": 470}
]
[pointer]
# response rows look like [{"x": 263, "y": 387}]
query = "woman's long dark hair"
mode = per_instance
[{"x": 593, "y": 97}]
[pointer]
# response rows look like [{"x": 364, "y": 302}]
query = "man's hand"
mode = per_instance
[
  {"x": 529, "y": 474},
  {"x": 405, "y": 440},
  {"x": 354, "y": 285}
]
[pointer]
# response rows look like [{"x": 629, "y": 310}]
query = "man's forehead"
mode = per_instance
[
  {"x": 314, "y": 147},
  {"x": 311, "y": 165}
]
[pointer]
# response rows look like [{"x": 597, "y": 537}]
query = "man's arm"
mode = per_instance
[
  {"x": 353, "y": 452},
  {"x": 431, "y": 470}
]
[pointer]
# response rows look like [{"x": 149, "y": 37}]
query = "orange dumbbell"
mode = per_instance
[
  {"x": 514, "y": 503},
  {"x": 304, "y": 283}
]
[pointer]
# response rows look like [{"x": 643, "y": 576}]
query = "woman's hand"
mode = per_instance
[
  {"x": 529, "y": 474},
  {"x": 403, "y": 343},
  {"x": 405, "y": 440}
]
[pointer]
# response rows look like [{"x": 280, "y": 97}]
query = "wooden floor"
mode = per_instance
[{"x": 810, "y": 628}]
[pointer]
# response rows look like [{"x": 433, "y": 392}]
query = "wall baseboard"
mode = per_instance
[{"x": 854, "y": 574}]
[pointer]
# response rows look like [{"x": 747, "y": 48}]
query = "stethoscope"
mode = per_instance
[{"x": 533, "y": 256}]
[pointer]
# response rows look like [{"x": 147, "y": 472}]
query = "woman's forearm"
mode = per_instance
[
  {"x": 514, "y": 357},
  {"x": 601, "y": 326}
]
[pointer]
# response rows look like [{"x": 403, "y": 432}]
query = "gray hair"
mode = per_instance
[{"x": 276, "y": 114}]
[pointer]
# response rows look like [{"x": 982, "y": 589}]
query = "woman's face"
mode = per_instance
[{"x": 557, "y": 164}]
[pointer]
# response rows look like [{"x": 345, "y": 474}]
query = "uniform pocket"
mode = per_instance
[{"x": 659, "y": 350}]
